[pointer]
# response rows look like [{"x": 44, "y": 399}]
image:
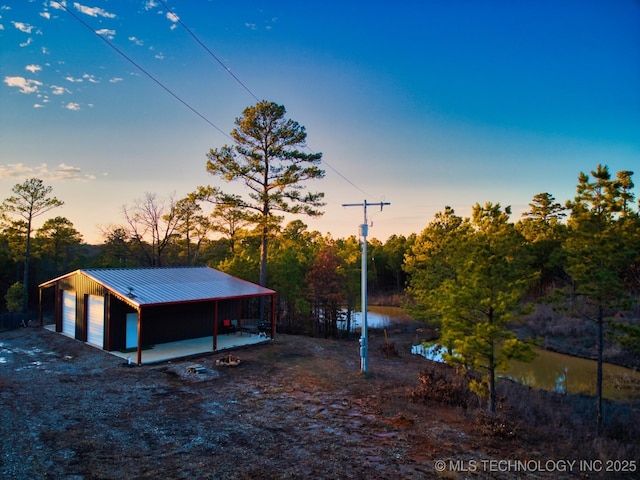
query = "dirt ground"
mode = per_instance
[{"x": 294, "y": 408}]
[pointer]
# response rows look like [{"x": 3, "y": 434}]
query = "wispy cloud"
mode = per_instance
[
  {"x": 58, "y": 5},
  {"x": 159, "y": 56},
  {"x": 150, "y": 4},
  {"x": 12, "y": 170},
  {"x": 136, "y": 41},
  {"x": 46, "y": 15},
  {"x": 90, "y": 78},
  {"x": 268, "y": 26},
  {"x": 93, "y": 11},
  {"x": 115, "y": 80},
  {"x": 174, "y": 19},
  {"x": 68, "y": 172},
  {"x": 56, "y": 90},
  {"x": 72, "y": 106},
  {"x": 27, "y": 43},
  {"x": 60, "y": 172},
  {"x": 33, "y": 68},
  {"x": 23, "y": 27},
  {"x": 23, "y": 84},
  {"x": 85, "y": 76},
  {"x": 107, "y": 32}
]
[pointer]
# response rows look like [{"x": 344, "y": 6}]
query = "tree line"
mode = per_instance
[
  {"x": 238, "y": 233},
  {"x": 470, "y": 278}
]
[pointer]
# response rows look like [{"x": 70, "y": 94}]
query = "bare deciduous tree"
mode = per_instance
[{"x": 152, "y": 224}]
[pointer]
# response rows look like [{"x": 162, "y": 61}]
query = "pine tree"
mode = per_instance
[
  {"x": 30, "y": 199},
  {"x": 268, "y": 160},
  {"x": 599, "y": 250},
  {"x": 473, "y": 274}
]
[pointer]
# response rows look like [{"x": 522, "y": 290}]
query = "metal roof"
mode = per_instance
[{"x": 151, "y": 286}]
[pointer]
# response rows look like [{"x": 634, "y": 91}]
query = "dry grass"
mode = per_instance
[
  {"x": 538, "y": 418},
  {"x": 560, "y": 331}
]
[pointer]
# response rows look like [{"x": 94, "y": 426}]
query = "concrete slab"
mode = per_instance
[{"x": 163, "y": 352}]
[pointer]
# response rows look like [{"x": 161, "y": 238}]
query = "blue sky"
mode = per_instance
[{"x": 422, "y": 104}]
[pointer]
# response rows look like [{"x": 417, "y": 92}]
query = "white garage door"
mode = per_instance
[
  {"x": 69, "y": 313},
  {"x": 95, "y": 321}
]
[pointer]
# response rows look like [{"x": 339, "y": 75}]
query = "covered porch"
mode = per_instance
[{"x": 163, "y": 352}]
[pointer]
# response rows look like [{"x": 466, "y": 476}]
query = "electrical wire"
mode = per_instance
[
  {"x": 243, "y": 85},
  {"x": 193, "y": 35},
  {"x": 139, "y": 67},
  {"x": 174, "y": 95},
  {"x": 345, "y": 178}
]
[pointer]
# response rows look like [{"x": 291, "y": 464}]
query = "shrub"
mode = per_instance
[
  {"x": 440, "y": 383},
  {"x": 15, "y": 298},
  {"x": 498, "y": 425}
]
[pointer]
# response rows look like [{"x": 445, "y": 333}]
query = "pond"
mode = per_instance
[
  {"x": 568, "y": 374},
  {"x": 563, "y": 373},
  {"x": 377, "y": 317},
  {"x": 549, "y": 370}
]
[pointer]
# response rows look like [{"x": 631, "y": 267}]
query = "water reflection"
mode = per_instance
[
  {"x": 567, "y": 374},
  {"x": 561, "y": 381},
  {"x": 377, "y": 317},
  {"x": 432, "y": 352},
  {"x": 562, "y": 373}
]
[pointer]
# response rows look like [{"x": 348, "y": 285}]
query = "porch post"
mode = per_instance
[
  {"x": 273, "y": 316},
  {"x": 40, "y": 305},
  {"x": 140, "y": 336},
  {"x": 215, "y": 326}
]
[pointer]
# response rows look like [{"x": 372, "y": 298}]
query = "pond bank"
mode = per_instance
[
  {"x": 562, "y": 373},
  {"x": 550, "y": 370}
]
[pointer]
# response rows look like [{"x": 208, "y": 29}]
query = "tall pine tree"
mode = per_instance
[
  {"x": 599, "y": 249},
  {"x": 473, "y": 274}
]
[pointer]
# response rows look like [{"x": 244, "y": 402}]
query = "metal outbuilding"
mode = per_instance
[{"x": 120, "y": 309}]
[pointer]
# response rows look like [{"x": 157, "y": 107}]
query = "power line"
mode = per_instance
[
  {"x": 139, "y": 67},
  {"x": 174, "y": 95},
  {"x": 343, "y": 177},
  {"x": 228, "y": 70},
  {"x": 208, "y": 50}
]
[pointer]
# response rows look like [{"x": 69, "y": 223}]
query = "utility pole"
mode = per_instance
[{"x": 364, "y": 362}]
